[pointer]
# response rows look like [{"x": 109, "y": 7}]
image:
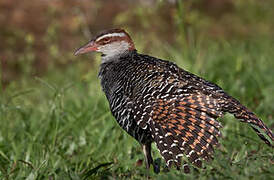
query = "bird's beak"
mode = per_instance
[{"x": 90, "y": 47}]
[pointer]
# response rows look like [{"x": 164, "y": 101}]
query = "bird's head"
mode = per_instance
[{"x": 110, "y": 43}]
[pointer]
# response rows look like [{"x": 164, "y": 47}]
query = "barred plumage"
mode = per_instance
[{"x": 156, "y": 101}]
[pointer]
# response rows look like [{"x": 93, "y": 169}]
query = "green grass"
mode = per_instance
[{"x": 59, "y": 126}]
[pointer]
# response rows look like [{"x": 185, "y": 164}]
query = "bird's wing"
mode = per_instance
[
  {"x": 180, "y": 124},
  {"x": 180, "y": 110},
  {"x": 185, "y": 126},
  {"x": 181, "y": 118}
]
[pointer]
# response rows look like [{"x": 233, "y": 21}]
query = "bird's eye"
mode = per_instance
[{"x": 107, "y": 40}]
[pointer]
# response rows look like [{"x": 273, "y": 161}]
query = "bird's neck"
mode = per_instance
[{"x": 109, "y": 57}]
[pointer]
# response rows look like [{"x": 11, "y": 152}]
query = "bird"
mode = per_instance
[{"x": 155, "y": 100}]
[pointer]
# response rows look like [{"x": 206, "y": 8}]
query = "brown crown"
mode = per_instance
[{"x": 111, "y": 39}]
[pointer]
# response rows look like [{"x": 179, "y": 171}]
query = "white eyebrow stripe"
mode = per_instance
[{"x": 111, "y": 35}]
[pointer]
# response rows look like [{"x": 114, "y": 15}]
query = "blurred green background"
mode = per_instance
[{"x": 55, "y": 121}]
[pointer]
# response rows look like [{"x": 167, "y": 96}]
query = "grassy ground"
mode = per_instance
[{"x": 59, "y": 126}]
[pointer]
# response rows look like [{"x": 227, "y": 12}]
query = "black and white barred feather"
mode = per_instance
[{"x": 155, "y": 100}]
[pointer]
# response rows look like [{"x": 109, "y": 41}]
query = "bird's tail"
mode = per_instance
[{"x": 245, "y": 115}]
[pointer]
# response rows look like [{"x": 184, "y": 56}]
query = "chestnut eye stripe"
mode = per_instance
[
  {"x": 109, "y": 40},
  {"x": 104, "y": 41}
]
